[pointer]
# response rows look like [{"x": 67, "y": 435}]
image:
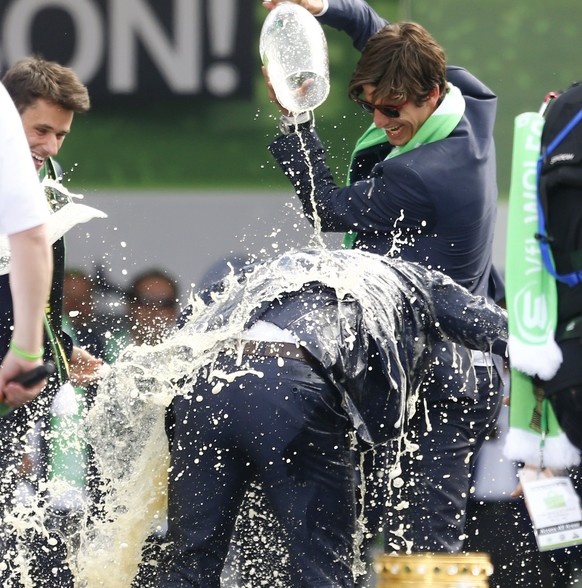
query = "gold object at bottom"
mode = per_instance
[{"x": 442, "y": 570}]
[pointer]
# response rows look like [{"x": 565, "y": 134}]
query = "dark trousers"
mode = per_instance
[
  {"x": 281, "y": 424},
  {"x": 436, "y": 474}
]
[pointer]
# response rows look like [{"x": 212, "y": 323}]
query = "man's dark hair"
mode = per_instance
[
  {"x": 403, "y": 61},
  {"x": 135, "y": 293},
  {"x": 33, "y": 77}
]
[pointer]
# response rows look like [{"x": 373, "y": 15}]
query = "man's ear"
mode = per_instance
[{"x": 434, "y": 96}]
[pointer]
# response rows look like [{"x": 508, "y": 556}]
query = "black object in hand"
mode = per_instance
[
  {"x": 29, "y": 379},
  {"x": 36, "y": 375}
]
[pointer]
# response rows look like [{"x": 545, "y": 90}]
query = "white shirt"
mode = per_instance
[
  {"x": 22, "y": 201},
  {"x": 265, "y": 331}
]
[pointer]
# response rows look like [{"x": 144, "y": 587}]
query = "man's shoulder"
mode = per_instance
[{"x": 470, "y": 85}]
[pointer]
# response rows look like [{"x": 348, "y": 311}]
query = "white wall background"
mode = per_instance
[{"x": 186, "y": 233}]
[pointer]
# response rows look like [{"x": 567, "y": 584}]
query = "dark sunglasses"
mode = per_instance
[{"x": 385, "y": 109}]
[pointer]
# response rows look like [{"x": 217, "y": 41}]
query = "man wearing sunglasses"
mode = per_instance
[{"x": 422, "y": 187}]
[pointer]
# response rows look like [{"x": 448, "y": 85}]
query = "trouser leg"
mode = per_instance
[
  {"x": 260, "y": 550},
  {"x": 285, "y": 424},
  {"x": 437, "y": 476},
  {"x": 309, "y": 483},
  {"x": 206, "y": 485}
]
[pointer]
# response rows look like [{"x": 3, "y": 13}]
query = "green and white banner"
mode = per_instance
[
  {"x": 534, "y": 434},
  {"x": 530, "y": 289}
]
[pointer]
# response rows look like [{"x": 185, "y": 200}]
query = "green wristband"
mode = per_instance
[{"x": 23, "y": 354}]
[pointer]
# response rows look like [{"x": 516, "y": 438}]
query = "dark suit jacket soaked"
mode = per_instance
[{"x": 371, "y": 332}]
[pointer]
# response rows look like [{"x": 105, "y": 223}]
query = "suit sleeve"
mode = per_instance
[
  {"x": 355, "y": 18},
  {"x": 469, "y": 320},
  {"x": 378, "y": 204}
]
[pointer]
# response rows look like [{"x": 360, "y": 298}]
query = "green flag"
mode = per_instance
[{"x": 534, "y": 434}]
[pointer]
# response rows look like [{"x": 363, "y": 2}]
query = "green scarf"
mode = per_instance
[
  {"x": 534, "y": 434},
  {"x": 439, "y": 125}
]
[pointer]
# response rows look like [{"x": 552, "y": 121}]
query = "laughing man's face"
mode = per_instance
[{"x": 46, "y": 125}]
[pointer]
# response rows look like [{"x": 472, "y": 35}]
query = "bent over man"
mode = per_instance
[{"x": 303, "y": 350}]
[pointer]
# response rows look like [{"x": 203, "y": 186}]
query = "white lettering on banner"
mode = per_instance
[
  {"x": 530, "y": 313},
  {"x": 532, "y": 256},
  {"x": 222, "y": 77},
  {"x": 530, "y": 211},
  {"x": 536, "y": 311},
  {"x": 529, "y": 181},
  {"x": 180, "y": 63},
  {"x": 192, "y": 44},
  {"x": 529, "y": 192},
  {"x": 532, "y": 142},
  {"x": 17, "y": 27}
]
